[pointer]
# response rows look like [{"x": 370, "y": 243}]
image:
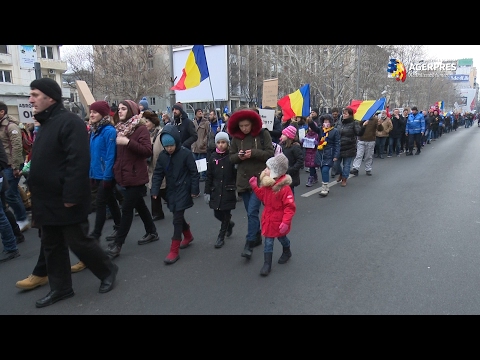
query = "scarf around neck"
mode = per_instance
[
  {"x": 324, "y": 139},
  {"x": 128, "y": 127}
]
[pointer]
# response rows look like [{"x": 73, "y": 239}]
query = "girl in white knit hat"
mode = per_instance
[{"x": 279, "y": 208}]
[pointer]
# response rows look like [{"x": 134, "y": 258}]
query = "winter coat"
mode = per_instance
[
  {"x": 387, "y": 127},
  {"x": 279, "y": 204},
  {"x": 295, "y": 157},
  {"x": 59, "y": 171},
  {"x": 325, "y": 156},
  {"x": 251, "y": 141},
  {"x": 12, "y": 141},
  {"x": 312, "y": 138},
  {"x": 181, "y": 173},
  {"x": 103, "y": 150},
  {"x": 397, "y": 127},
  {"x": 186, "y": 128},
  {"x": 131, "y": 168},
  {"x": 371, "y": 129},
  {"x": 220, "y": 182},
  {"x": 349, "y": 130},
  {"x": 415, "y": 124},
  {"x": 157, "y": 148},
  {"x": 203, "y": 130}
]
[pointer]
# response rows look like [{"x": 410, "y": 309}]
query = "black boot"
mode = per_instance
[
  {"x": 248, "y": 249},
  {"x": 230, "y": 227},
  {"x": 223, "y": 230},
  {"x": 286, "y": 254},
  {"x": 267, "y": 265},
  {"x": 112, "y": 236},
  {"x": 258, "y": 241}
]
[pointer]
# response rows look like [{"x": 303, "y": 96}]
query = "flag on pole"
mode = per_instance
[
  {"x": 195, "y": 70},
  {"x": 365, "y": 109},
  {"x": 296, "y": 103}
]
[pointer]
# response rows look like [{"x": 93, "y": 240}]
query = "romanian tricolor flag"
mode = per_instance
[
  {"x": 195, "y": 70},
  {"x": 296, "y": 103},
  {"x": 441, "y": 106},
  {"x": 365, "y": 109}
]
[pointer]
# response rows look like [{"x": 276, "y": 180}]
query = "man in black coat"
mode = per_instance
[
  {"x": 185, "y": 126},
  {"x": 60, "y": 187}
]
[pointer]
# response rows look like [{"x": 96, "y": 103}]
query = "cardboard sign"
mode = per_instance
[
  {"x": 270, "y": 93},
  {"x": 86, "y": 97}
]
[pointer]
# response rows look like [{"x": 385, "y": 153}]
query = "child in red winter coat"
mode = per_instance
[{"x": 279, "y": 208}]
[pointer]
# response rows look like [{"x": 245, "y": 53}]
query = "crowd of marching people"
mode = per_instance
[{"x": 127, "y": 153}]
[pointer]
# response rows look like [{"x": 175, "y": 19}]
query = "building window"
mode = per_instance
[
  {"x": 152, "y": 100},
  {"x": 5, "y": 76},
  {"x": 3, "y": 49},
  {"x": 46, "y": 52}
]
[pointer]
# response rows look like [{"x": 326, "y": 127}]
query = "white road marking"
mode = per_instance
[{"x": 330, "y": 184}]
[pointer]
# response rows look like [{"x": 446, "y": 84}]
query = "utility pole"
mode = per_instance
[
  {"x": 172, "y": 79},
  {"x": 358, "y": 71},
  {"x": 38, "y": 70}
]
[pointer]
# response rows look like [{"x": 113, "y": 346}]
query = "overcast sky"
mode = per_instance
[{"x": 446, "y": 52}]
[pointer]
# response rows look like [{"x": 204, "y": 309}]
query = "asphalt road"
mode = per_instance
[{"x": 403, "y": 241}]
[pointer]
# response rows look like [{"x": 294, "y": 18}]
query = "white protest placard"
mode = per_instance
[
  {"x": 201, "y": 165},
  {"x": 267, "y": 116},
  {"x": 301, "y": 133},
  {"x": 25, "y": 112}
]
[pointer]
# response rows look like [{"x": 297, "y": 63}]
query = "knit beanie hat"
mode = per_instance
[
  {"x": 178, "y": 106},
  {"x": 222, "y": 135},
  {"x": 167, "y": 139},
  {"x": 290, "y": 131},
  {"x": 278, "y": 165},
  {"x": 316, "y": 110},
  {"x": 101, "y": 107},
  {"x": 133, "y": 107},
  {"x": 49, "y": 87},
  {"x": 144, "y": 103}
]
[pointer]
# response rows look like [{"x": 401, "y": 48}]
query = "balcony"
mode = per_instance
[
  {"x": 53, "y": 64},
  {"x": 6, "y": 59}
]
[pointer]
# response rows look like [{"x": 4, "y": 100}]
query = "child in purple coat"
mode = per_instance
[{"x": 309, "y": 144}]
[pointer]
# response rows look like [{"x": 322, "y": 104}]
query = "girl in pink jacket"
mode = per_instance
[{"x": 279, "y": 208}]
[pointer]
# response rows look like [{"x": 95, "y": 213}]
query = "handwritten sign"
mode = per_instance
[
  {"x": 270, "y": 93},
  {"x": 267, "y": 116}
]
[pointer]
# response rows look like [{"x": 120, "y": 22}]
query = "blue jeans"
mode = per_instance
[
  {"x": 198, "y": 156},
  {"x": 252, "y": 206},
  {"x": 345, "y": 169},
  {"x": 325, "y": 173},
  {"x": 268, "y": 248},
  {"x": 12, "y": 196},
  {"x": 380, "y": 145},
  {"x": 9, "y": 240},
  {"x": 393, "y": 142}
]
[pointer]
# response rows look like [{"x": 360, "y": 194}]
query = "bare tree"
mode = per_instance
[
  {"x": 80, "y": 65},
  {"x": 131, "y": 71}
]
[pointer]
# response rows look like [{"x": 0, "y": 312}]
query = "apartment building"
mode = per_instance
[{"x": 19, "y": 66}]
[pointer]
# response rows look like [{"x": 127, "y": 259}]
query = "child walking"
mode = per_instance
[
  {"x": 220, "y": 187},
  {"x": 328, "y": 148},
  {"x": 279, "y": 208},
  {"x": 177, "y": 165},
  {"x": 309, "y": 144}
]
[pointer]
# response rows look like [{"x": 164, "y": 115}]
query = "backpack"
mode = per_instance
[{"x": 277, "y": 149}]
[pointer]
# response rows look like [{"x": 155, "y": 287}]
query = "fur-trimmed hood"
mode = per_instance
[
  {"x": 276, "y": 185},
  {"x": 232, "y": 125}
]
